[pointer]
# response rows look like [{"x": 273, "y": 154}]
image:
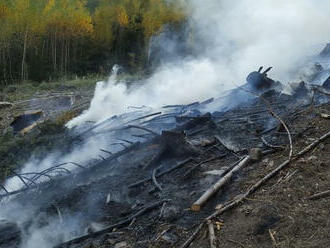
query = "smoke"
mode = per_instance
[
  {"x": 171, "y": 84},
  {"x": 245, "y": 34},
  {"x": 82, "y": 155},
  {"x": 230, "y": 39}
]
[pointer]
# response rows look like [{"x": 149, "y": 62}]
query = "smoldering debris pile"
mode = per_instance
[{"x": 165, "y": 168}]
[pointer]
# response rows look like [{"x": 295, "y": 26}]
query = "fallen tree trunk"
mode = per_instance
[{"x": 197, "y": 205}]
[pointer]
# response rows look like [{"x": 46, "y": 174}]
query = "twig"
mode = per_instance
[
  {"x": 58, "y": 213},
  {"x": 143, "y": 117},
  {"x": 211, "y": 234},
  {"x": 4, "y": 188},
  {"x": 120, "y": 144},
  {"x": 49, "y": 170},
  {"x": 115, "y": 128},
  {"x": 143, "y": 136},
  {"x": 201, "y": 163},
  {"x": 20, "y": 178},
  {"x": 288, "y": 177},
  {"x": 192, "y": 236},
  {"x": 319, "y": 195},
  {"x": 110, "y": 153},
  {"x": 142, "y": 128},
  {"x": 196, "y": 206},
  {"x": 122, "y": 223},
  {"x": 236, "y": 242},
  {"x": 264, "y": 141},
  {"x": 78, "y": 165},
  {"x": 276, "y": 116},
  {"x": 272, "y": 237},
  {"x": 162, "y": 210},
  {"x": 29, "y": 179},
  {"x": 160, "y": 174},
  {"x": 127, "y": 141},
  {"x": 155, "y": 180}
]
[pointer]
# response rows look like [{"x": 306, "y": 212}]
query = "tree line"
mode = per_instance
[{"x": 42, "y": 40}]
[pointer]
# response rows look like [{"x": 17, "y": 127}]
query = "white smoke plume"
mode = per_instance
[{"x": 232, "y": 38}]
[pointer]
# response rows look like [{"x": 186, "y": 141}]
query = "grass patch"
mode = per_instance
[{"x": 28, "y": 89}]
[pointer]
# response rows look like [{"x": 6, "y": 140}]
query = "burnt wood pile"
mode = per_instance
[{"x": 160, "y": 167}]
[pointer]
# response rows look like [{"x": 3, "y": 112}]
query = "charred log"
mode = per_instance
[{"x": 259, "y": 81}]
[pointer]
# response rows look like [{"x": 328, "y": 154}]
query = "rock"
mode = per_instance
[
  {"x": 169, "y": 238},
  {"x": 312, "y": 158},
  {"x": 111, "y": 241},
  {"x": 256, "y": 154},
  {"x": 171, "y": 213},
  {"x": 94, "y": 227},
  {"x": 108, "y": 199},
  {"x": 265, "y": 161},
  {"x": 215, "y": 172},
  {"x": 122, "y": 244},
  {"x": 207, "y": 142}
]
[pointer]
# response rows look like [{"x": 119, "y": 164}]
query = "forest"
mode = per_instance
[{"x": 46, "y": 40}]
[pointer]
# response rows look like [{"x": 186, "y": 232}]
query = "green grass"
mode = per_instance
[{"x": 26, "y": 90}]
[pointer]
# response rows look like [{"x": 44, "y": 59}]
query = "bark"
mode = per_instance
[
  {"x": 197, "y": 205},
  {"x": 24, "y": 56}
]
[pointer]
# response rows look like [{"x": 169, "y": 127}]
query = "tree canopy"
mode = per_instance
[{"x": 45, "y": 39}]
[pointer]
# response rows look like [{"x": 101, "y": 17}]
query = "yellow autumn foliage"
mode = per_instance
[{"x": 58, "y": 31}]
